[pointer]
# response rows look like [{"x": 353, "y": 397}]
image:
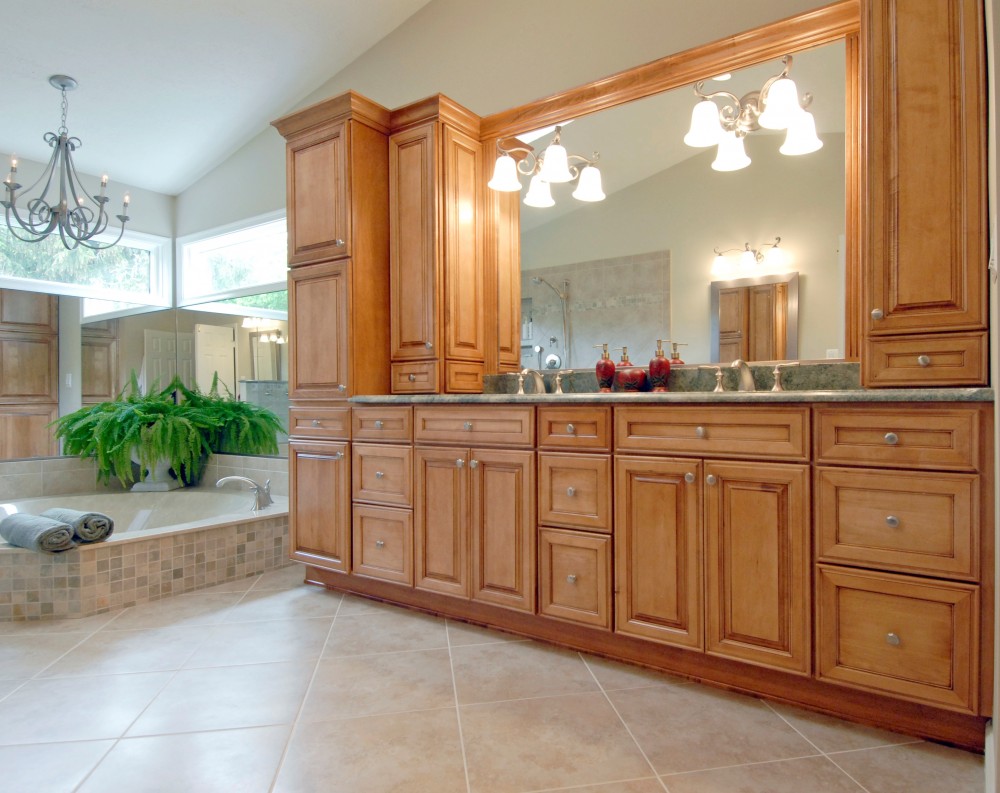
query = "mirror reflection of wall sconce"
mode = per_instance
[
  {"x": 767, "y": 257},
  {"x": 775, "y": 106},
  {"x": 274, "y": 337},
  {"x": 552, "y": 166}
]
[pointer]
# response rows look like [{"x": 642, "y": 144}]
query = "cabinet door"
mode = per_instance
[
  {"x": 658, "y": 550},
  {"x": 412, "y": 244},
  {"x": 757, "y": 563},
  {"x": 318, "y": 191},
  {"x": 29, "y": 368},
  {"x": 440, "y": 520},
  {"x": 28, "y": 312},
  {"x": 318, "y": 300},
  {"x": 503, "y": 527},
  {"x": 320, "y": 506}
]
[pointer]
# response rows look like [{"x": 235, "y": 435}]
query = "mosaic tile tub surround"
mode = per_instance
[{"x": 125, "y": 571}]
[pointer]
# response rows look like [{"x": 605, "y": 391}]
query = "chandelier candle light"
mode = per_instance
[
  {"x": 552, "y": 166},
  {"x": 775, "y": 106},
  {"x": 77, "y": 216}
]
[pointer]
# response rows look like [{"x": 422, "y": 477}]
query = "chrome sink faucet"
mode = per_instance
[
  {"x": 262, "y": 493},
  {"x": 744, "y": 375}
]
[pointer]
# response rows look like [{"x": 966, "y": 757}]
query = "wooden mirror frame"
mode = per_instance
[{"x": 839, "y": 21}]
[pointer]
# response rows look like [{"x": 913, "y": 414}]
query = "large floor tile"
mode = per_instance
[
  {"x": 289, "y": 577},
  {"x": 388, "y": 683},
  {"x": 812, "y": 774},
  {"x": 376, "y": 754},
  {"x": 64, "y": 709},
  {"x": 194, "y": 609},
  {"x": 385, "y": 632},
  {"x": 202, "y": 762},
  {"x": 265, "y": 642},
  {"x": 227, "y": 697},
  {"x": 613, "y": 675},
  {"x": 25, "y": 656},
  {"x": 692, "y": 728},
  {"x": 285, "y": 604},
  {"x": 495, "y": 672},
  {"x": 914, "y": 768},
  {"x": 536, "y": 744},
  {"x": 830, "y": 734},
  {"x": 355, "y": 604},
  {"x": 49, "y": 768},
  {"x": 115, "y": 652}
]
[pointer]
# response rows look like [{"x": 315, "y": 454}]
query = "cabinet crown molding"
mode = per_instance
[
  {"x": 438, "y": 107},
  {"x": 347, "y": 105}
]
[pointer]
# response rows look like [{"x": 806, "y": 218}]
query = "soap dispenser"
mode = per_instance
[
  {"x": 675, "y": 356},
  {"x": 627, "y": 376},
  {"x": 659, "y": 368},
  {"x": 605, "y": 369}
]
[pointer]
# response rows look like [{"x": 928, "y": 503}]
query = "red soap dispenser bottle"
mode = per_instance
[
  {"x": 605, "y": 369},
  {"x": 659, "y": 368},
  {"x": 675, "y": 356},
  {"x": 627, "y": 376}
]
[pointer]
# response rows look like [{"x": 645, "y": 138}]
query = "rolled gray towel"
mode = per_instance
[
  {"x": 37, "y": 533},
  {"x": 87, "y": 526}
]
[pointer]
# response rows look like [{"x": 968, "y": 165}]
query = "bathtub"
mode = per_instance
[{"x": 163, "y": 544}]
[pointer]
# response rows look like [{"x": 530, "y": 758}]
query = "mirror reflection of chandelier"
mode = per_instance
[
  {"x": 78, "y": 218},
  {"x": 775, "y": 106}
]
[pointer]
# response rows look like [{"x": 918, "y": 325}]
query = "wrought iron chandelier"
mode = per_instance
[{"x": 78, "y": 217}]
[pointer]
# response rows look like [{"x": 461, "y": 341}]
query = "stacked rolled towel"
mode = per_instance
[
  {"x": 87, "y": 526},
  {"x": 37, "y": 533}
]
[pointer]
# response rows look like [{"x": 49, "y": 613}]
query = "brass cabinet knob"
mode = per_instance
[
  {"x": 412, "y": 378},
  {"x": 338, "y": 242},
  {"x": 891, "y": 438},
  {"x": 924, "y": 360},
  {"x": 699, "y": 432},
  {"x": 380, "y": 543},
  {"x": 379, "y": 474},
  {"x": 711, "y": 479},
  {"x": 891, "y": 521},
  {"x": 570, "y": 429},
  {"x": 379, "y": 424},
  {"x": 878, "y": 314},
  {"x": 338, "y": 456},
  {"x": 570, "y": 491},
  {"x": 893, "y": 639},
  {"x": 571, "y": 579},
  {"x": 689, "y": 478}
]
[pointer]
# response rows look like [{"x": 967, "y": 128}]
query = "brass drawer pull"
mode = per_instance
[
  {"x": 468, "y": 425},
  {"x": 411, "y": 377},
  {"x": 891, "y": 438},
  {"x": 317, "y": 423},
  {"x": 571, "y": 579},
  {"x": 892, "y": 521},
  {"x": 893, "y": 639}
]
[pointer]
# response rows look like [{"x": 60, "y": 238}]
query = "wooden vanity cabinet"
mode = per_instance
[
  {"x": 319, "y": 510},
  {"x": 437, "y": 276},
  {"x": 925, "y": 234}
]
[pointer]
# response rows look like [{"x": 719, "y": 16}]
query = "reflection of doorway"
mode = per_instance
[
  {"x": 755, "y": 319},
  {"x": 215, "y": 352},
  {"x": 159, "y": 358}
]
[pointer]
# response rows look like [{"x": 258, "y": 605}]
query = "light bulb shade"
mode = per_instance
[
  {"x": 721, "y": 266},
  {"x": 747, "y": 260},
  {"x": 555, "y": 165},
  {"x": 801, "y": 137},
  {"x": 505, "y": 175},
  {"x": 705, "y": 128},
  {"x": 775, "y": 259},
  {"x": 780, "y": 105},
  {"x": 589, "y": 186},
  {"x": 731, "y": 155},
  {"x": 539, "y": 194}
]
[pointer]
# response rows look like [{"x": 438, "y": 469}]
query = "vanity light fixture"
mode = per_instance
[
  {"x": 750, "y": 259},
  {"x": 553, "y": 166},
  {"x": 776, "y": 105},
  {"x": 77, "y": 216}
]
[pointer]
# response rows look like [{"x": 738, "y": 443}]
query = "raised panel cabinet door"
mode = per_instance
[
  {"x": 658, "y": 550},
  {"x": 99, "y": 369},
  {"x": 503, "y": 527},
  {"x": 320, "y": 507},
  {"x": 318, "y": 306},
  {"x": 441, "y": 520},
  {"x": 25, "y": 431},
  {"x": 28, "y": 312},
  {"x": 29, "y": 368},
  {"x": 318, "y": 195},
  {"x": 927, "y": 166},
  {"x": 413, "y": 262},
  {"x": 757, "y": 563}
]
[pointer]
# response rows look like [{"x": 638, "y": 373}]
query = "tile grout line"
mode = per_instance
[
  {"x": 305, "y": 696},
  {"x": 628, "y": 729},
  {"x": 458, "y": 710}
]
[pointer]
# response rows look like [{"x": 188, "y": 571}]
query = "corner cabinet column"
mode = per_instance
[{"x": 926, "y": 239}]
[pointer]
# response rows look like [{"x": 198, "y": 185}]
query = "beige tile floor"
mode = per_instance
[{"x": 269, "y": 685}]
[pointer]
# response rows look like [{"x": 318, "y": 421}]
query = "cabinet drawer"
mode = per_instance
[
  {"x": 574, "y": 569},
  {"x": 319, "y": 422},
  {"x": 904, "y": 436},
  {"x": 933, "y": 360},
  {"x": 574, "y": 490},
  {"x": 382, "y": 423},
  {"x": 463, "y": 424},
  {"x": 911, "y": 637},
  {"x": 382, "y": 474},
  {"x": 383, "y": 543},
  {"x": 415, "y": 378},
  {"x": 574, "y": 428},
  {"x": 463, "y": 377},
  {"x": 756, "y": 432},
  {"x": 912, "y": 522}
]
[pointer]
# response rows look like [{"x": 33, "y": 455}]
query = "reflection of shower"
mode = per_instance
[{"x": 563, "y": 296}]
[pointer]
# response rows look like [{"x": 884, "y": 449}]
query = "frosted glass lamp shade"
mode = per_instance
[
  {"x": 721, "y": 266},
  {"x": 705, "y": 127},
  {"x": 781, "y": 105},
  {"x": 589, "y": 187},
  {"x": 747, "y": 260},
  {"x": 539, "y": 194},
  {"x": 775, "y": 259},
  {"x": 555, "y": 165},
  {"x": 801, "y": 137},
  {"x": 505, "y": 175},
  {"x": 731, "y": 155}
]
